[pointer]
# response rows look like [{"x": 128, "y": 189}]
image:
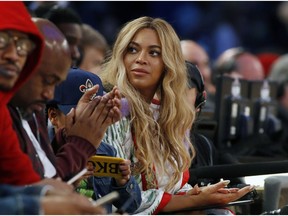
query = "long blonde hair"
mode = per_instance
[{"x": 161, "y": 141}]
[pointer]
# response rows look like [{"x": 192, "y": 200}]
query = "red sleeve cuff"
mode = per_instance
[{"x": 165, "y": 199}]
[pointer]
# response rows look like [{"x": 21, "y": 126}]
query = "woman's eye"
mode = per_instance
[
  {"x": 155, "y": 53},
  {"x": 132, "y": 50}
]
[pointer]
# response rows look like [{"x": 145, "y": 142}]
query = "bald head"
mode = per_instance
[
  {"x": 279, "y": 69},
  {"x": 55, "y": 42},
  {"x": 195, "y": 54},
  {"x": 250, "y": 67},
  {"x": 236, "y": 62},
  {"x": 53, "y": 69}
]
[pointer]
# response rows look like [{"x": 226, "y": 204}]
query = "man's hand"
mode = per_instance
[
  {"x": 69, "y": 204},
  {"x": 94, "y": 117},
  {"x": 57, "y": 184}
]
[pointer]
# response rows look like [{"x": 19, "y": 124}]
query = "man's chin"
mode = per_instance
[
  {"x": 27, "y": 115},
  {"x": 5, "y": 87},
  {"x": 7, "y": 83},
  {"x": 28, "y": 112},
  {"x": 37, "y": 107}
]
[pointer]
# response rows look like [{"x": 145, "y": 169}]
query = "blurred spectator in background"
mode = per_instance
[
  {"x": 93, "y": 48},
  {"x": 69, "y": 23},
  {"x": 282, "y": 13},
  {"x": 282, "y": 94},
  {"x": 282, "y": 97},
  {"x": 196, "y": 54},
  {"x": 237, "y": 62},
  {"x": 216, "y": 25},
  {"x": 279, "y": 69},
  {"x": 279, "y": 73}
]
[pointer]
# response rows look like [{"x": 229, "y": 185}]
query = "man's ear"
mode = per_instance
[{"x": 53, "y": 116}]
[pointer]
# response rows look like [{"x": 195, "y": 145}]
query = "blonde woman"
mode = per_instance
[{"x": 147, "y": 60}]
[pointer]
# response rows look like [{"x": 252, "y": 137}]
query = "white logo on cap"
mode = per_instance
[{"x": 87, "y": 86}]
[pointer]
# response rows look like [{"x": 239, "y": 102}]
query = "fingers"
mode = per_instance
[
  {"x": 59, "y": 186},
  {"x": 69, "y": 120},
  {"x": 215, "y": 187},
  {"x": 109, "y": 105},
  {"x": 117, "y": 102},
  {"x": 98, "y": 210},
  {"x": 58, "y": 179},
  {"x": 111, "y": 110},
  {"x": 233, "y": 194},
  {"x": 111, "y": 94},
  {"x": 114, "y": 115},
  {"x": 88, "y": 174},
  {"x": 85, "y": 99},
  {"x": 223, "y": 183},
  {"x": 245, "y": 190},
  {"x": 101, "y": 111},
  {"x": 90, "y": 107},
  {"x": 125, "y": 170},
  {"x": 236, "y": 190},
  {"x": 126, "y": 162},
  {"x": 194, "y": 191},
  {"x": 219, "y": 194},
  {"x": 228, "y": 190},
  {"x": 96, "y": 115},
  {"x": 79, "y": 126},
  {"x": 124, "y": 167},
  {"x": 125, "y": 174},
  {"x": 87, "y": 96},
  {"x": 116, "y": 92},
  {"x": 115, "y": 95},
  {"x": 70, "y": 117}
]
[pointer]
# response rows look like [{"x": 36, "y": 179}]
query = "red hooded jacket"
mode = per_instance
[{"x": 15, "y": 166}]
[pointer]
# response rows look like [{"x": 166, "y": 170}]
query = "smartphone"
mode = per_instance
[{"x": 106, "y": 166}]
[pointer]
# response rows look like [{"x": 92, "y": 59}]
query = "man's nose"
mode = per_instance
[
  {"x": 48, "y": 93},
  {"x": 10, "y": 52}
]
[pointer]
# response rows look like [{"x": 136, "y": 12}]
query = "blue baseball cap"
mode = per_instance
[{"x": 69, "y": 92}]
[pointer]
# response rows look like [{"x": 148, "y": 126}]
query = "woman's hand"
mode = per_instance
[
  {"x": 216, "y": 194},
  {"x": 125, "y": 170},
  {"x": 219, "y": 194}
]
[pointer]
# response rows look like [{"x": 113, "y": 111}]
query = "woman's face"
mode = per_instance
[{"x": 143, "y": 62}]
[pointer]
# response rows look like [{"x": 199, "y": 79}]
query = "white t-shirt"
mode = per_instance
[{"x": 49, "y": 169}]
